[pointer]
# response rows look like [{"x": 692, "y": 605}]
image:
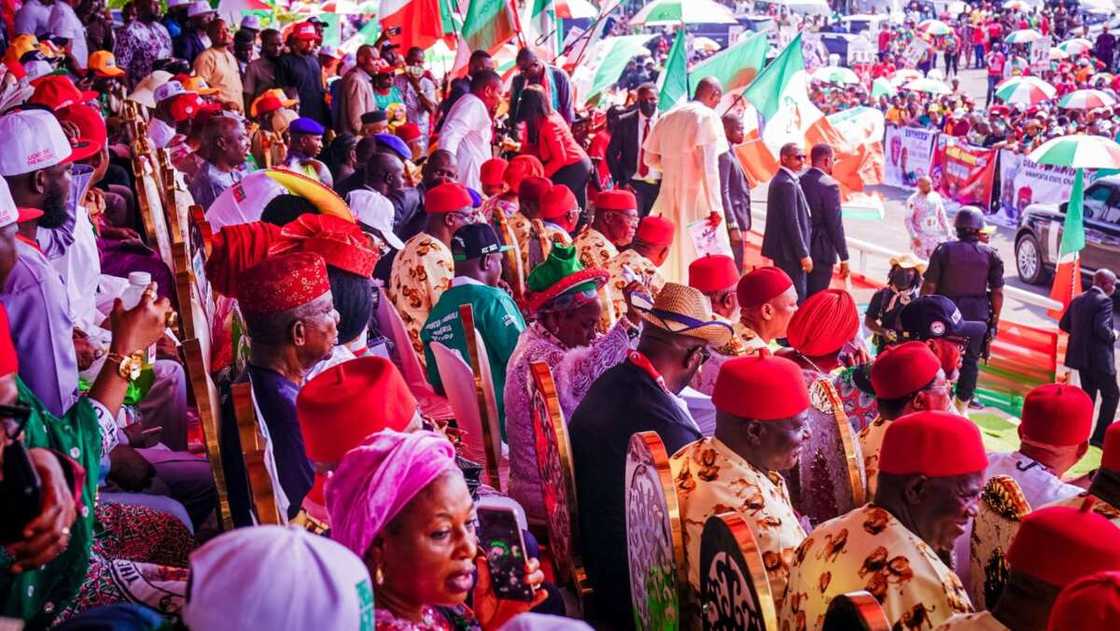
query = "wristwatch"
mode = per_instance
[{"x": 128, "y": 366}]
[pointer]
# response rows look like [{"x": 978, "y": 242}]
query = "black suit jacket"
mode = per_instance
[
  {"x": 788, "y": 229},
  {"x": 735, "y": 191},
  {"x": 622, "y": 401},
  {"x": 822, "y": 192},
  {"x": 563, "y": 95},
  {"x": 1089, "y": 324},
  {"x": 622, "y": 151}
]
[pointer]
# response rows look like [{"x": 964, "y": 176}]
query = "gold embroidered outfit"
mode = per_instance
[{"x": 421, "y": 273}]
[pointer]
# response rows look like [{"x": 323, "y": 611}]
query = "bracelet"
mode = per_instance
[{"x": 128, "y": 366}]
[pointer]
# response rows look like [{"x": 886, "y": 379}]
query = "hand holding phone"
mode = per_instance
[{"x": 504, "y": 547}]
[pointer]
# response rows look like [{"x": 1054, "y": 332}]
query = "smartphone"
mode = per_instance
[
  {"x": 501, "y": 538},
  {"x": 20, "y": 492}
]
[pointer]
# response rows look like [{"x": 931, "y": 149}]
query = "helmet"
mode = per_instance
[{"x": 969, "y": 218}]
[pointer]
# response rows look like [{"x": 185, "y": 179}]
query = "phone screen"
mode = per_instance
[{"x": 500, "y": 537}]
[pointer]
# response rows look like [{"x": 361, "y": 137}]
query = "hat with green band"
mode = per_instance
[{"x": 561, "y": 282}]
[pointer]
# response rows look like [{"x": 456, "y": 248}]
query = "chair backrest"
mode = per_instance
[
  {"x": 653, "y": 534},
  {"x": 177, "y": 200},
  {"x": 200, "y": 241},
  {"x": 461, "y": 386},
  {"x": 539, "y": 244},
  {"x": 196, "y": 358},
  {"x": 392, "y": 326},
  {"x": 484, "y": 387},
  {"x": 855, "y": 611},
  {"x": 734, "y": 588},
  {"x": 149, "y": 197},
  {"x": 1002, "y": 507},
  {"x": 830, "y": 478},
  {"x": 257, "y": 453},
  {"x": 512, "y": 270},
  {"x": 558, "y": 480}
]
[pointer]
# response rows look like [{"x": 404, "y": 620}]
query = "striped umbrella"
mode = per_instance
[
  {"x": 835, "y": 75},
  {"x": 905, "y": 75},
  {"x": 1086, "y": 100},
  {"x": 881, "y": 86},
  {"x": 1057, "y": 54},
  {"x": 1016, "y": 5},
  {"x": 1023, "y": 36},
  {"x": 935, "y": 27},
  {"x": 930, "y": 86},
  {"x": 1025, "y": 90},
  {"x": 1079, "y": 151},
  {"x": 1075, "y": 46},
  {"x": 671, "y": 12}
]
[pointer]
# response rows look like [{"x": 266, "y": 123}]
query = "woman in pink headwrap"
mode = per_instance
[{"x": 400, "y": 503}]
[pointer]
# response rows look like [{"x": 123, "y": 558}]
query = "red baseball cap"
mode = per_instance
[
  {"x": 305, "y": 30},
  {"x": 58, "y": 91},
  {"x": 91, "y": 129}
]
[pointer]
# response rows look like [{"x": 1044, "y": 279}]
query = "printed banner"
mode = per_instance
[
  {"x": 909, "y": 154},
  {"x": 1023, "y": 182},
  {"x": 1040, "y": 54},
  {"x": 962, "y": 173},
  {"x": 915, "y": 52}
]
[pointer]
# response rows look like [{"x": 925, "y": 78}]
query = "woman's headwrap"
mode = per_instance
[
  {"x": 824, "y": 323},
  {"x": 377, "y": 479}
]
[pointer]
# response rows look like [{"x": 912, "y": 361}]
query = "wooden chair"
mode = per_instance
[
  {"x": 654, "y": 535},
  {"x": 1002, "y": 507},
  {"x": 558, "y": 480},
  {"x": 257, "y": 453},
  {"x": 177, "y": 200},
  {"x": 855, "y": 611},
  {"x": 196, "y": 358},
  {"x": 149, "y": 196},
  {"x": 390, "y": 324},
  {"x": 734, "y": 588},
  {"x": 512, "y": 271},
  {"x": 829, "y": 479}
]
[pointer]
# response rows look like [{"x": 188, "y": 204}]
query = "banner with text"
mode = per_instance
[
  {"x": 963, "y": 173},
  {"x": 909, "y": 154},
  {"x": 1023, "y": 182}
]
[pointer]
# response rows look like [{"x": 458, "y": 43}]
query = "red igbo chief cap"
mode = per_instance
[
  {"x": 1110, "y": 455},
  {"x": 761, "y": 388},
  {"x": 533, "y": 188},
  {"x": 1061, "y": 544},
  {"x": 283, "y": 282},
  {"x": 934, "y": 444},
  {"x": 1091, "y": 603},
  {"x": 409, "y": 132},
  {"x": 1056, "y": 414},
  {"x": 493, "y": 171},
  {"x": 762, "y": 285},
  {"x": 9, "y": 361},
  {"x": 655, "y": 230},
  {"x": 903, "y": 370},
  {"x": 448, "y": 197},
  {"x": 824, "y": 323},
  {"x": 236, "y": 249},
  {"x": 557, "y": 202},
  {"x": 712, "y": 273},
  {"x": 342, "y": 244},
  {"x": 521, "y": 167},
  {"x": 617, "y": 199}
]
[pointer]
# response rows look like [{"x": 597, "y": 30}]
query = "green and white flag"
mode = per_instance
[{"x": 673, "y": 87}]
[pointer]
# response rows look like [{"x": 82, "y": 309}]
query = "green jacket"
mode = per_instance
[{"x": 497, "y": 319}]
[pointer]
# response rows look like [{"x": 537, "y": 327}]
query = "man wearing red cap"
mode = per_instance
[
  {"x": 299, "y": 73},
  {"x": 1053, "y": 548},
  {"x": 1105, "y": 487},
  {"x": 906, "y": 378},
  {"x": 423, "y": 269},
  {"x": 767, "y": 302},
  {"x": 642, "y": 260},
  {"x": 932, "y": 473},
  {"x": 492, "y": 174},
  {"x": 558, "y": 213},
  {"x": 761, "y": 403},
  {"x": 717, "y": 276},
  {"x": 613, "y": 227},
  {"x": 288, "y": 309},
  {"x": 1088, "y": 604}
]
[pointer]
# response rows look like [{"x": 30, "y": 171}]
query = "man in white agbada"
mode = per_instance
[{"x": 685, "y": 145}]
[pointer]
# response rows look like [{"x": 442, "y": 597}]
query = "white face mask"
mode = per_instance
[{"x": 416, "y": 71}]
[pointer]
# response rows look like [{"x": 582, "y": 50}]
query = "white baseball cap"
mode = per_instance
[
  {"x": 323, "y": 585},
  {"x": 33, "y": 140},
  {"x": 9, "y": 212},
  {"x": 376, "y": 211},
  {"x": 251, "y": 22},
  {"x": 199, "y": 8},
  {"x": 330, "y": 51},
  {"x": 143, "y": 93},
  {"x": 169, "y": 90}
]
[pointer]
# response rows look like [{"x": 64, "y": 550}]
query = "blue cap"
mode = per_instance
[
  {"x": 476, "y": 197},
  {"x": 304, "y": 125},
  {"x": 395, "y": 144}
]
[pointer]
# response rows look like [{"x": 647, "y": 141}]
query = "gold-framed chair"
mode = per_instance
[
  {"x": 256, "y": 454},
  {"x": 734, "y": 587},
  {"x": 855, "y": 611}
]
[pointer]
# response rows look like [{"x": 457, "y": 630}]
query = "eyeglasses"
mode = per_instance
[{"x": 14, "y": 419}]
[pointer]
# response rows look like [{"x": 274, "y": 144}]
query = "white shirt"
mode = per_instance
[
  {"x": 80, "y": 269},
  {"x": 32, "y": 18},
  {"x": 467, "y": 134},
  {"x": 63, "y": 22}
]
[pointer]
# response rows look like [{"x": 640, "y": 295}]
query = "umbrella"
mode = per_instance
[
  {"x": 1016, "y": 5},
  {"x": 1023, "y": 36},
  {"x": 835, "y": 74},
  {"x": 898, "y": 77},
  {"x": 1025, "y": 90},
  {"x": 575, "y": 9},
  {"x": 881, "y": 86},
  {"x": 670, "y": 12},
  {"x": 932, "y": 86},
  {"x": 1086, "y": 100},
  {"x": 935, "y": 27},
  {"x": 248, "y": 198},
  {"x": 1076, "y": 46},
  {"x": 705, "y": 43},
  {"x": 1057, "y": 54}
]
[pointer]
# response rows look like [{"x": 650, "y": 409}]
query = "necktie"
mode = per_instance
[{"x": 643, "y": 170}]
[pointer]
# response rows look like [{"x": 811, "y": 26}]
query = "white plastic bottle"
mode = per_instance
[{"x": 137, "y": 283}]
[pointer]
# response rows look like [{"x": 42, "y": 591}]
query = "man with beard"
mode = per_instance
[
  {"x": 625, "y": 155},
  {"x": 301, "y": 76},
  {"x": 260, "y": 74}
]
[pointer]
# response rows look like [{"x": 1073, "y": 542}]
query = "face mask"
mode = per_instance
[
  {"x": 416, "y": 71},
  {"x": 647, "y": 108}
]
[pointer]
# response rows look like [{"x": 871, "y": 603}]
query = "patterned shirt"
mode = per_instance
[
  {"x": 538, "y": 249},
  {"x": 639, "y": 266},
  {"x": 139, "y": 45},
  {"x": 870, "y": 443},
  {"x": 421, "y": 273},
  {"x": 711, "y": 479},
  {"x": 983, "y": 621},
  {"x": 1100, "y": 507},
  {"x": 869, "y": 549},
  {"x": 413, "y": 107},
  {"x": 521, "y": 227},
  {"x": 594, "y": 249}
]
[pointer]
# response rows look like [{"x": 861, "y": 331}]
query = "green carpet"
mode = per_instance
[{"x": 1001, "y": 434}]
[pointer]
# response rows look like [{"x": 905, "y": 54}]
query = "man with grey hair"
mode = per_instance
[{"x": 1088, "y": 320}]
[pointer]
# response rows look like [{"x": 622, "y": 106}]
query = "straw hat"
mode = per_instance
[
  {"x": 909, "y": 261},
  {"x": 683, "y": 310}
]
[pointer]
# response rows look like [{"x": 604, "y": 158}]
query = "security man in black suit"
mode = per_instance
[
  {"x": 625, "y": 155},
  {"x": 1088, "y": 320},
  {"x": 786, "y": 237},
  {"x": 969, "y": 273},
  {"x": 827, "y": 243}
]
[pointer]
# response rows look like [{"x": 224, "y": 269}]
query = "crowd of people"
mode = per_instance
[{"x": 350, "y": 235}]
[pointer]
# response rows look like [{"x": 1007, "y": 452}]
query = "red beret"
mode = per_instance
[
  {"x": 448, "y": 197},
  {"x": 521, "y": 167},
  {"x": 1091, "y": 603},
  {"x": 341, "y": 243},
  {"x": 935, "y": 444},
  {"x": 237, "y": 248},
  {"x": 712, "y": 273},
  {"x": 409, "y": 132},
  {"x": 493, "y": 171},
  {"x": 824, "y": 323},
  {"x": 557, "y": 202},
  {"x": 903, "y": 370},
  {"x": 533, "y": 188},
  {"x": 760, "y": 387},
  {"x": 655, "y": 230},
  {"x": 9, "y": 361},
  {"x": 616, "y": 199},
  {"x": 1056, "y": 414},
  {"x": 1110, "y": 455},
  {"x": 281, "y": 283},
  {"x": 761, "y": 285},
  {"x": 1060, "y": 544}
]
